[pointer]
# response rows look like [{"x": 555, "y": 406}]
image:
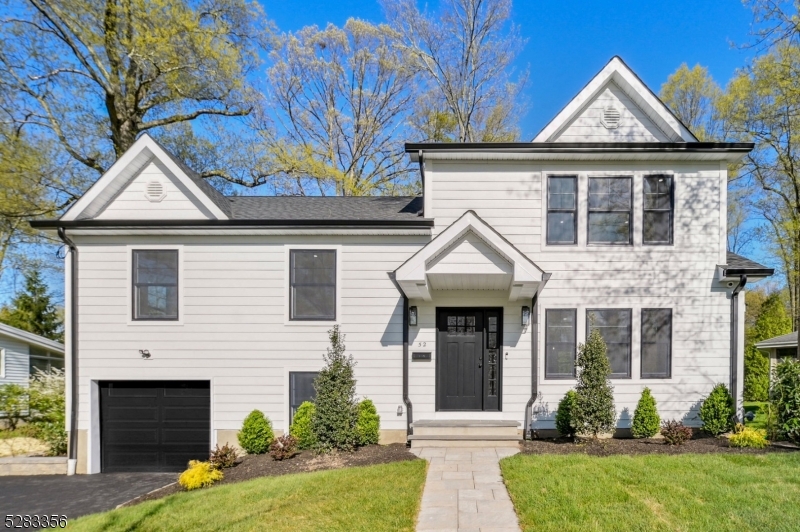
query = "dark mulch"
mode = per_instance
[
  {"x": 700, "y": 444},
  {"x": 256, "y": 466}
]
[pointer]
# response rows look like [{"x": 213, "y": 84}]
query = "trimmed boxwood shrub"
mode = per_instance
[
  {"x": 564, "y": 414},
  {"x": 717, "y": 411},
  {"x": 256, "y": 434},
  {"x": 645, "y": 418},
  {"x": 369, "y": 423},
  {"x": 786, "y": 398},
  {"x": 301, "y": 426},
  {"x": 336, "y": 416},
  {"x": 594, "y": 411}
]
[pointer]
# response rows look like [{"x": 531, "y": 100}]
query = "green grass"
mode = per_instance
[
  {"x": 382, "y": 497},
  {"x": 691, "y": 492},
  {"x": 760, "y": 410}
]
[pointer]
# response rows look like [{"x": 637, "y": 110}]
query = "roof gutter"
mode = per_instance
[
  {"x": 72, "y": 448},
  {"x": 583, "y": 147},
  {"x": 526, "y": 430},
  {"x": 734, "y": 381},
  {"x": 361, "y": 224}
]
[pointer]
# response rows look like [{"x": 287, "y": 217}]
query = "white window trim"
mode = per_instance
[
  {"x": 2, "y": 363},
  {"x": 288, "y": 288},
  {"x": 129, "y": 287}
]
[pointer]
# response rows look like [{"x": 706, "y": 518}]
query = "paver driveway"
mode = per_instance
[
  {"x": 76, "y": 495},
  {"x": 464, "y": 491}
]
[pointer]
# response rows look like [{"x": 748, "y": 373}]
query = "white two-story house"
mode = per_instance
[{"x": 462, "y": 308}]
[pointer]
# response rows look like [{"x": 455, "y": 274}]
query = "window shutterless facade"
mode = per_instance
[
  {"x": 615, "y": 328},
  {"x": 560, "y": 340},
  {"x": 301, "y": 389},
  {"x": 562, "y": 216},
  {"x": 155, "y": 284},
  {"x": 312, "y": 285},
  {"x": 656, "y": 343},
  {"x": 610, "y": 216},
  {"x": 659, "y": 208}
]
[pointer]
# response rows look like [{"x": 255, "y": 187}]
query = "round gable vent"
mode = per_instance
[
  {"x": 611, "y": 117},
  {"x": 154, "y": 191}
]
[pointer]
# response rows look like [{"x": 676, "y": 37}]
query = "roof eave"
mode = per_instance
[{"x": 67, "y": 224}]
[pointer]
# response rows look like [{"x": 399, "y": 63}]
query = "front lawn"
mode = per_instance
[
  {"x": 760, "y": 410},
  {"x": 692, "y": 492},
  {"x": 382, "y": 497}
]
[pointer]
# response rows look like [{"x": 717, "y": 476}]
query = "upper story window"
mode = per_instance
[
  {"x": 155, "y": 284},
  {"x": 615, "y": 328},
  {"x": 561, "y": 210},
  {"x": 610, "y": 210},
  {"x": 312, "y": 285},
  {"x": 658, "y": 210}
]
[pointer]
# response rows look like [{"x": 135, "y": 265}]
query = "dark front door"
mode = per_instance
[
  {"x": 468, "y": 359},
  {"x": 154, "y": 425}
]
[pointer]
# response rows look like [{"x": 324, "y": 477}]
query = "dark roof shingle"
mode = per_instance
[
  {"x": 741, "y": 265},
  {"x": 378, "y": 208}
]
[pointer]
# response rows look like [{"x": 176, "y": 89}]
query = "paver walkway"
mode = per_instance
[{"x": 464, "y": 491}]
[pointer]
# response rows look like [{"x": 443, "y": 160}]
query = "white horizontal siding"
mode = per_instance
[{"x": 16, "y": 361}]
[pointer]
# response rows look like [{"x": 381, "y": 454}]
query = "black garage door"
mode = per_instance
[{"x": 154, "y": 425}]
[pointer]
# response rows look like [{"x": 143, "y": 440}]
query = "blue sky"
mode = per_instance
[{"x": 570, "y": 41}]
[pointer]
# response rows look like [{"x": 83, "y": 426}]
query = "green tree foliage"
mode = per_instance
[
  {"x": 94, "y": 75},
  {"x": 301, "y": 425},
  {"x": 594, "y": 412},
  {"x": 369, "y": 423},
  {"x": 564, "y": 414},
  {"x": 646, "y": 421},
  {"x": 464, "y": 54},
  {"x": 786, "y": 398},
  {"x": 760, "y": 105},
  {"x": 771, "y": 320},
  {"x": 336, "y": 416},
  {"x": 717, "y": 411},
  {"x": 691, "y": 94},
  {"x": 340, "y": 98},
  {"x": 48, "y": 409},
  {"x": 13, "y": 404},
  {"x": 33, "y": 310},
  {"x": 256, "y": 434}
]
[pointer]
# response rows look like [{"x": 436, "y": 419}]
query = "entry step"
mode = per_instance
[
  {"x": 450, "y": 440},
  {"x": 465, "y": 423}
]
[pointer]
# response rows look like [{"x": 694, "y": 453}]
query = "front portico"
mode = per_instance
[{"x": 469, "y": 286}]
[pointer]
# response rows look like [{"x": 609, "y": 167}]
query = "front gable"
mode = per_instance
[
  {"x": 615, "y": 106},
  {"x": 147, "y": 183}
]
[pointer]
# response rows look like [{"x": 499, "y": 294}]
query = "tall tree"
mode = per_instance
[
  {"x": 33, "y": 310},
  {"x": 465, "y": 54},
  {"x": 762, "y": 104},
  {"x": 337, "y": 111},
  {"x": 95, "y": 74},
  {"x": 775, "y": 21},
  {"x": 691, "y": 94}
]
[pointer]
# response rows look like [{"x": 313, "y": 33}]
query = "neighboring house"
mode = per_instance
[
  {"x": 778, "y": 348},
  {"x": 462, "y": 308},
  {"x": 22, "y": 353}
]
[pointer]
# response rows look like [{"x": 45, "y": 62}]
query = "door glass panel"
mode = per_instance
[
  {"x": 492, "y": 340},
  {"x": 492, "y": 324}
]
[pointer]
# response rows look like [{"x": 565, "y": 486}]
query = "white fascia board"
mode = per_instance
[
  {"x": 412, "y": 274},
  {"x": 142, "y": 151},
  {"x": 30, "y": 338},
  {"x": 617, "y": 71},
  {"x": 248, "y": 231}
]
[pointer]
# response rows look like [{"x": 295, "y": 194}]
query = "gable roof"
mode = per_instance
[
  {"x": 30, "y": 338},
  {"x": 616, "y": 72},
  {"x": 127, "y": 167}
]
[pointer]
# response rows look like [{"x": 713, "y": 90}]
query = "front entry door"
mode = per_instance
[{"x": 468, "y": 359}]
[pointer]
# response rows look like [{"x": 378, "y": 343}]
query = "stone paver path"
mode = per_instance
[{"x": 464, "y": 491}]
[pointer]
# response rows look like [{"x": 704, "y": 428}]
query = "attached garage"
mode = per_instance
[{"x": 154, "y": 425}]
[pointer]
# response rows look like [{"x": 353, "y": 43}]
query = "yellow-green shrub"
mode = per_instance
[
  {"x": 199, "y": 475},
  {"x": 747, "y": 437}
]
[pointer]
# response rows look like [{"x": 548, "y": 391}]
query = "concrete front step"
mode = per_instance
[{"x": 478, "y": 429}]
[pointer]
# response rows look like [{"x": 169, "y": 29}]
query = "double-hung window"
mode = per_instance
[
  {"x": 656, "y": 343},
  {"x": 561, "y": 209},
  {"x": 615, "y": 328},
  {"x": 610, "y": 210},
  {"x": 155, "y": 284},
  {"x": 560, "y": 339},
  {"x": 301, "y": 389},
  {"x": 312, "y": 285},
  {"x": 658, "y": 209}
]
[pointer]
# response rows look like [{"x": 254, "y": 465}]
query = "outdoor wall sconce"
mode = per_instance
[
  {"x": 400, "y": 410},
  {"x": 145, "y": 353},
  {"x": 526, "y": 316},
  {"x": 412, "y": 317}
]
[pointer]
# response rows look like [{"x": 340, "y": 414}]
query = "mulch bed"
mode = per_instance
[
  {"x": 256, "y": 466},
  {"x": 700, "y": 444}
]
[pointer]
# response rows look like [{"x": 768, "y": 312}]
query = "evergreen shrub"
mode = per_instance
[
  {"x": 369, "y": 423},
  {"x": 564, "y": 414},
  {"x": 717, "y": 411},
  {"x": 256, "y": 434},
  {"x": 645, "y": 418},
  {"x": 786, "y": 399},
  {"x": 301, "y": 425},
  {"x": 594, "y": 411}
]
